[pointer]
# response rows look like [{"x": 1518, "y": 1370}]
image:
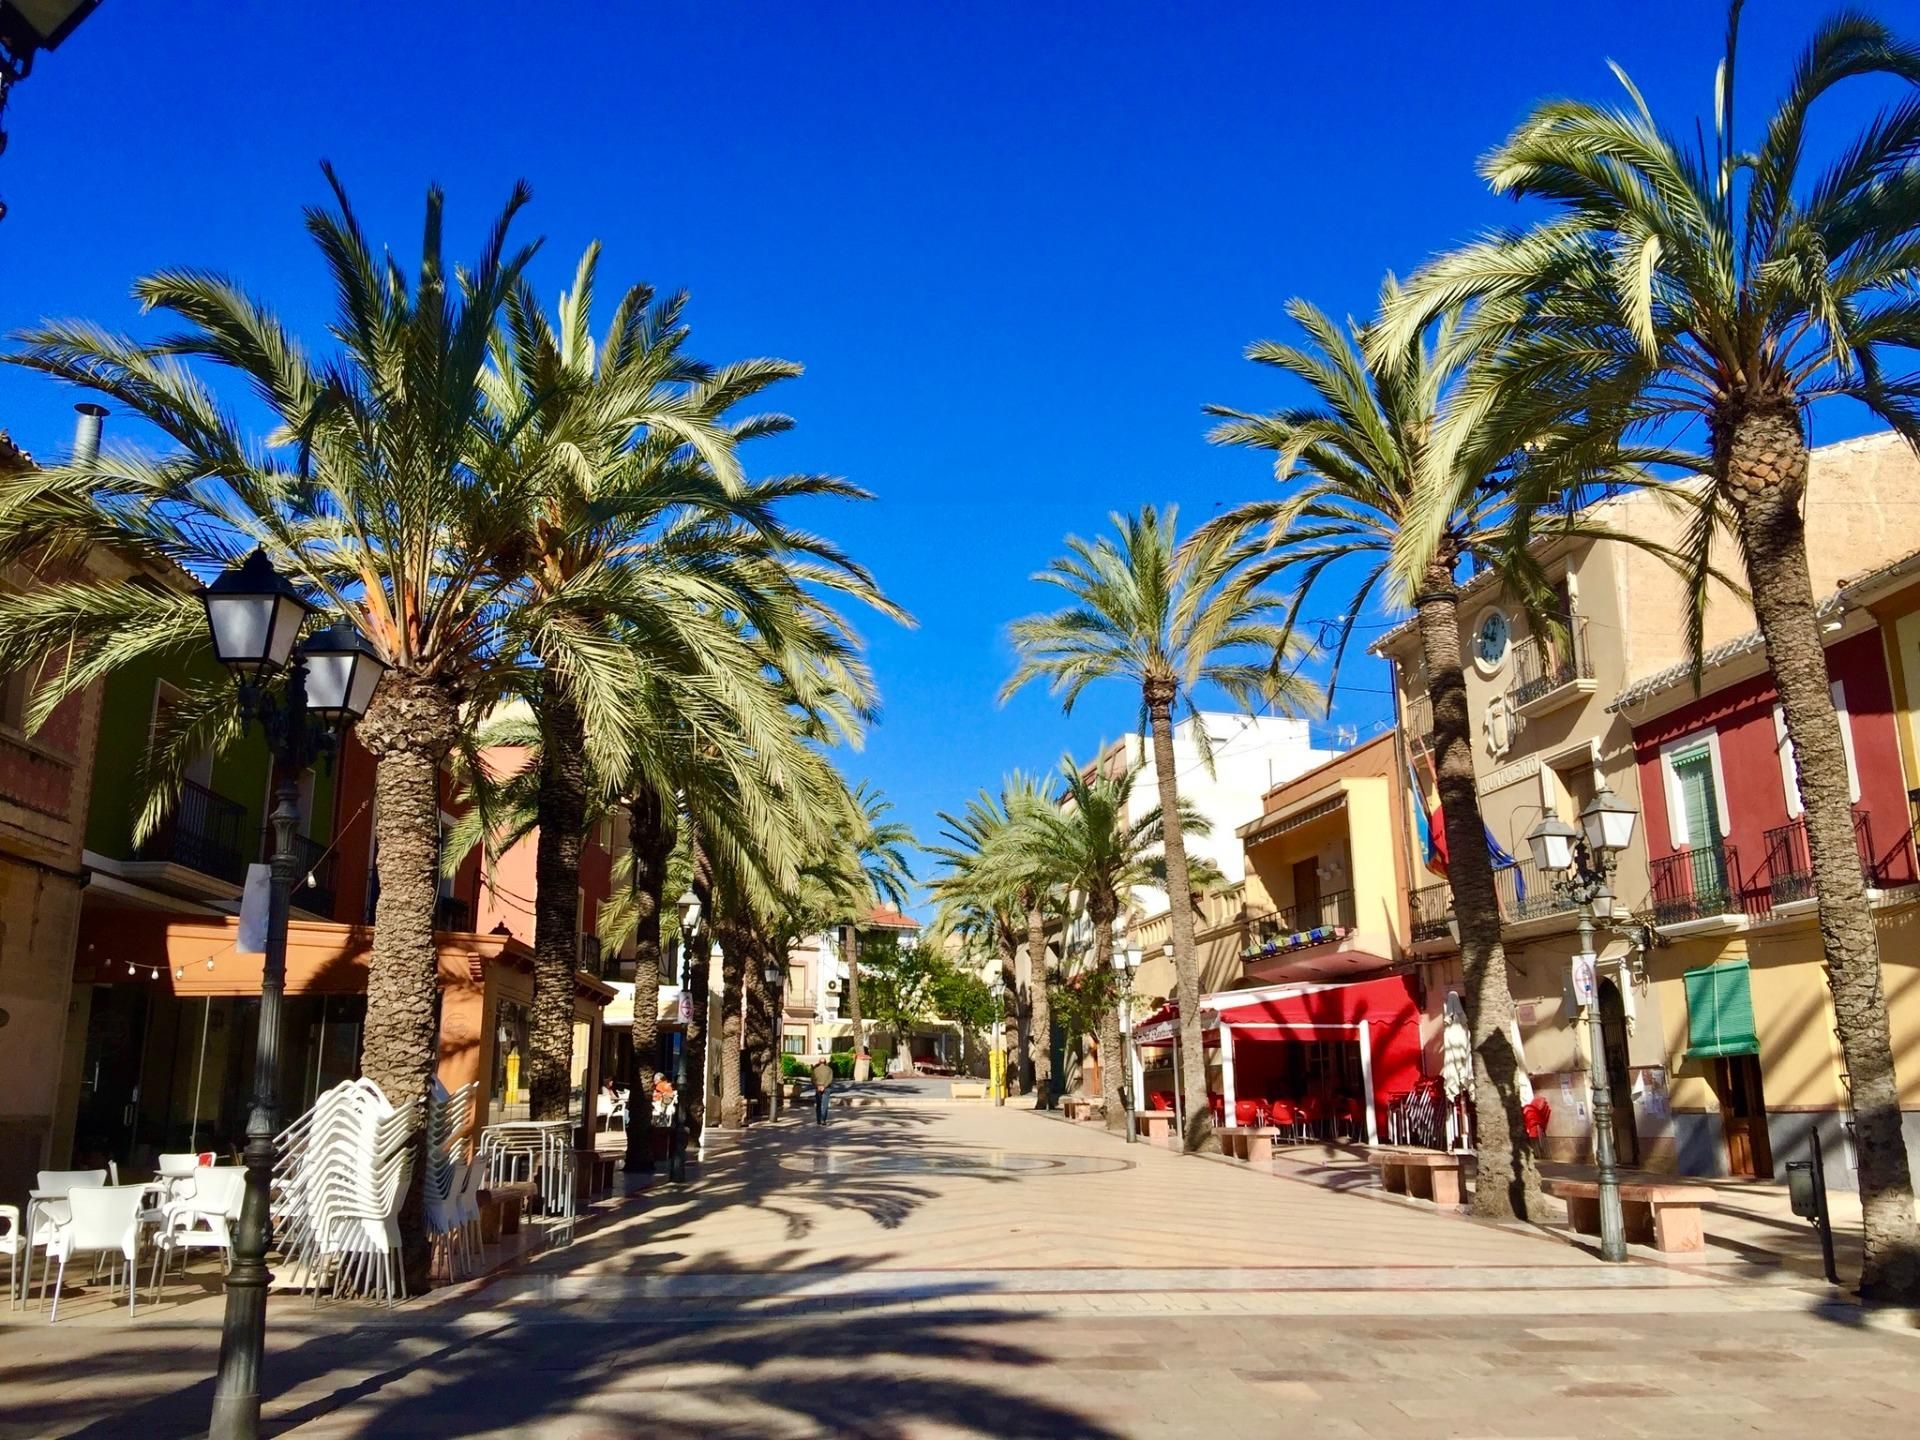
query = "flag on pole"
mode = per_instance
[{"x": 1433, "y": 835}]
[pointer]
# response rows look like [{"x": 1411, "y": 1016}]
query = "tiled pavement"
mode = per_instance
[{"x": 928, "y": 1271}]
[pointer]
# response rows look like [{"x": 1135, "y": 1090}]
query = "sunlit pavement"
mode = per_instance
[{"x": 919, "y": 1268}]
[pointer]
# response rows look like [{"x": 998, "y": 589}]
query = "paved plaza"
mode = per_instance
[{"x": 928, "y": 1269}]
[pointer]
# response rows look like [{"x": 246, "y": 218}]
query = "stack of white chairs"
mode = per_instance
[
  {"x": 451, "y": 1185},
  {"x": 342, "y": 1173},
  {"x": 539, "y": 1152}
]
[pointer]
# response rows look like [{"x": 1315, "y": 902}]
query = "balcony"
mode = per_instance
[
  {"x": 1549, "y": 673},
  {"x": 1703, "y": 882},
  {"x": 204, "y": 832},
  {"x": 1526, "y": 894},
  {"x": 1416, "y": 718},
  {"x": 592, "y": 960},
  {"x": 1789, "y": 865},
  {"x": 1299, "y": 927},
  {"x": 1432, "y": 909}
]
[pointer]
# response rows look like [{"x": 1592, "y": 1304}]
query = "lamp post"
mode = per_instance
[
  {"x": 1580, "y": 862},
  {"x": 688, "y": 906},
  {"x": 26, "y": 28},
  {"x": 254, "y": 616},
  {"x": 1127, "y": 962}
]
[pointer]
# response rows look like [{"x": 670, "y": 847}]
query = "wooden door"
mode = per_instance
[
  {"x": 1743, "y": 1117},
  {"x": 1306, "y": 893}
]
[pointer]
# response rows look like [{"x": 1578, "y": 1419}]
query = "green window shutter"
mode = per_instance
[{"x": 1720, "y": 1011}]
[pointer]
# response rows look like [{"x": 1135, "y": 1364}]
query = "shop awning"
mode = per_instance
[
  {"x": 1291, "y": 817},
  {"x": 1163, "y": 1025},
  {"x": 1305, "y": 1012},
  {"x": 1720, "y": 1011}
]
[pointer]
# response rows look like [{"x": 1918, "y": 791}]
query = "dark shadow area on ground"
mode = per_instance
[{"x": 757, "y": 1365}]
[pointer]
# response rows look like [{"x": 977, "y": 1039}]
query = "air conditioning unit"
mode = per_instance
[{"x": 833, "y": 986}]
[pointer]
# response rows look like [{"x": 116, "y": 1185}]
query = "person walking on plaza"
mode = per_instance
[{"x": 822, "y": 1087}]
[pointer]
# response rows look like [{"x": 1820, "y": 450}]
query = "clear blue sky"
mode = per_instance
[{"x": 1017, "y": 246}]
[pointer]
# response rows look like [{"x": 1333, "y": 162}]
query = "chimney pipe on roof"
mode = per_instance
[{"x": 86, "y": 431}]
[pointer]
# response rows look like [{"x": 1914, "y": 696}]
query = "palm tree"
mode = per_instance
[
  {"x": 1358, "y": 462},
  {"x": 980, "y": 902},
  {"x": 1087, "y": 845},
  {"x": 874, "y": 869},
  {"x": 1727, "y": 287},
  {"x": 641, "y": 544},
  {"x": 376, "y": 489},
  {"x": 1144, "y": 611}
]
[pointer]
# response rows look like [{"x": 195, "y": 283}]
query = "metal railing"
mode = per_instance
[
  {"x": 1273, "y": 930},
  {"x": 1789, "y": 864},
  {"x": 1432, "y": 909},
  {"x": 1416, "y": 718},
  {"x": 591, "y": 958},
  {"x": 1695, "y": 883},
  {"x": 1526, "y": 894},
  {"x": 1542, "y": 664},
  {"x": 204, "y": 832}
]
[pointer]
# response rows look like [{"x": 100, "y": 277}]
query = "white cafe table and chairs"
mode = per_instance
[{"x": 199, "y": 1214}]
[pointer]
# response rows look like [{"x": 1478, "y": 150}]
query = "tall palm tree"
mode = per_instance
[
  {"x": 641, "y": 546},
  {"x": 376, "y": 488},
  {"x": 1087, "y": 845},
  {"x": 1357, "y": 462},
  {"x": 1143, "y": 610},
  {"x": 1728, "y": 287}
]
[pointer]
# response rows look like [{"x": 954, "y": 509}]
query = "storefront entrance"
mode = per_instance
[
  {"x": 1743, "y": 1116},
  {"x": 1613, "y": 1029}
]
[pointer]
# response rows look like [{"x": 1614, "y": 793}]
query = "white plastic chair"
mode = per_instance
[
  {"x": 202, "y": 1218},
  {"x": 105, "y": 1220}
]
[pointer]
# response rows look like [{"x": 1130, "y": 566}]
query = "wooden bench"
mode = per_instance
[
  {"x": 969, "y": 1089},
  {"x": 1434, "y": 1175},
  {"x": 1084, "y": 1107},
  {"x": 1667, "y": 1217},
  {"x": 593, "y": 1174},
  {"x": 1245, "y": 1142},
  {"x": 1155, "y": 1125},
  {"x": 506, "y": 1203}
]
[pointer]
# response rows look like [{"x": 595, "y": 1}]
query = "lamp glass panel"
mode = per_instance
[
  {"x": 288, "y": 613},
  {"x": 241, "y": 626},
  {"x": 1608, "y": 830},
  {"x": 366, "y": 679},
  {"x": 329, "y": 679},
  {"x": 1553, "y": 847}
]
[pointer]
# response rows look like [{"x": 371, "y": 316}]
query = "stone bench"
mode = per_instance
[
  {"x": 1254, "y": 1144},
  {"x": 1436, "y": 1175},
  {"x": 1155, "y": 1125},
  {"x": 1084, "y": 1107},
  {"x": 969, "y": 1089},
  {"x": 1667, "y": 1217}
]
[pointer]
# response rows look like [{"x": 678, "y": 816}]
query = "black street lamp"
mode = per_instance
[
  {"x": 26, "y": 28},
  {"x": 254, "y": 616},
  {"x": 689, "y": 907},
  {"x": 1580, "y": 862}
]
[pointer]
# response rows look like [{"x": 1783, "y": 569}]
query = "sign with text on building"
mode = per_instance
[{"x": 1583, "y": 979}]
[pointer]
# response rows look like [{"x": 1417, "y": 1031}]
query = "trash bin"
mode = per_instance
[{"x": 1801, "y": 1191}]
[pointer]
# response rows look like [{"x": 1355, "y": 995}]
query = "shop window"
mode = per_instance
[{"x": 512, "y": 1031}]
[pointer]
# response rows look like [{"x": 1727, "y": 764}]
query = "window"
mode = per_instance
[
  {"x": 166, "y": 700},
  {"x": 1790, "y": 764},
  {"x": 15, "y": 691},
  {"x": 794, "y": 1042},
  {"x": 1696, "y": 790}
]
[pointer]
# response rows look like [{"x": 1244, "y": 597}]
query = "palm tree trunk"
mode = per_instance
[
  {"x": 853, "y": 995},
  {"x": 562, "y": 811},
  {"x": 761, "y": 1024},
  {"x": 1040, "y": 1037},
  {"x": 1112, "y": 1049},
  {"x": 1197, "y": 1124},
  {"x": 1508, "y": 1186},
  {"x": 1766, "y": 470},
  {"x": 409, "y": 729},
  {"x": 650, "y": 833},
  {"x": 732, "y": 941}
]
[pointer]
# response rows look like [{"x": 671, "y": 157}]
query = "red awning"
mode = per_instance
[{"x": 1308, "y": 1012}]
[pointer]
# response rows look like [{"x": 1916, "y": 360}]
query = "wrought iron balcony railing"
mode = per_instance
[
  {"x": 1298, "y": 926},
  {"x": 1543, "y": 664},
  {"x": 1789, "y": 864},
  {"x": 203, "y": 833},
  {"x": 1699, "y": 882},
  {"x": 1527, "y": 894},
  {"x": 1432, "y": 908}
]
